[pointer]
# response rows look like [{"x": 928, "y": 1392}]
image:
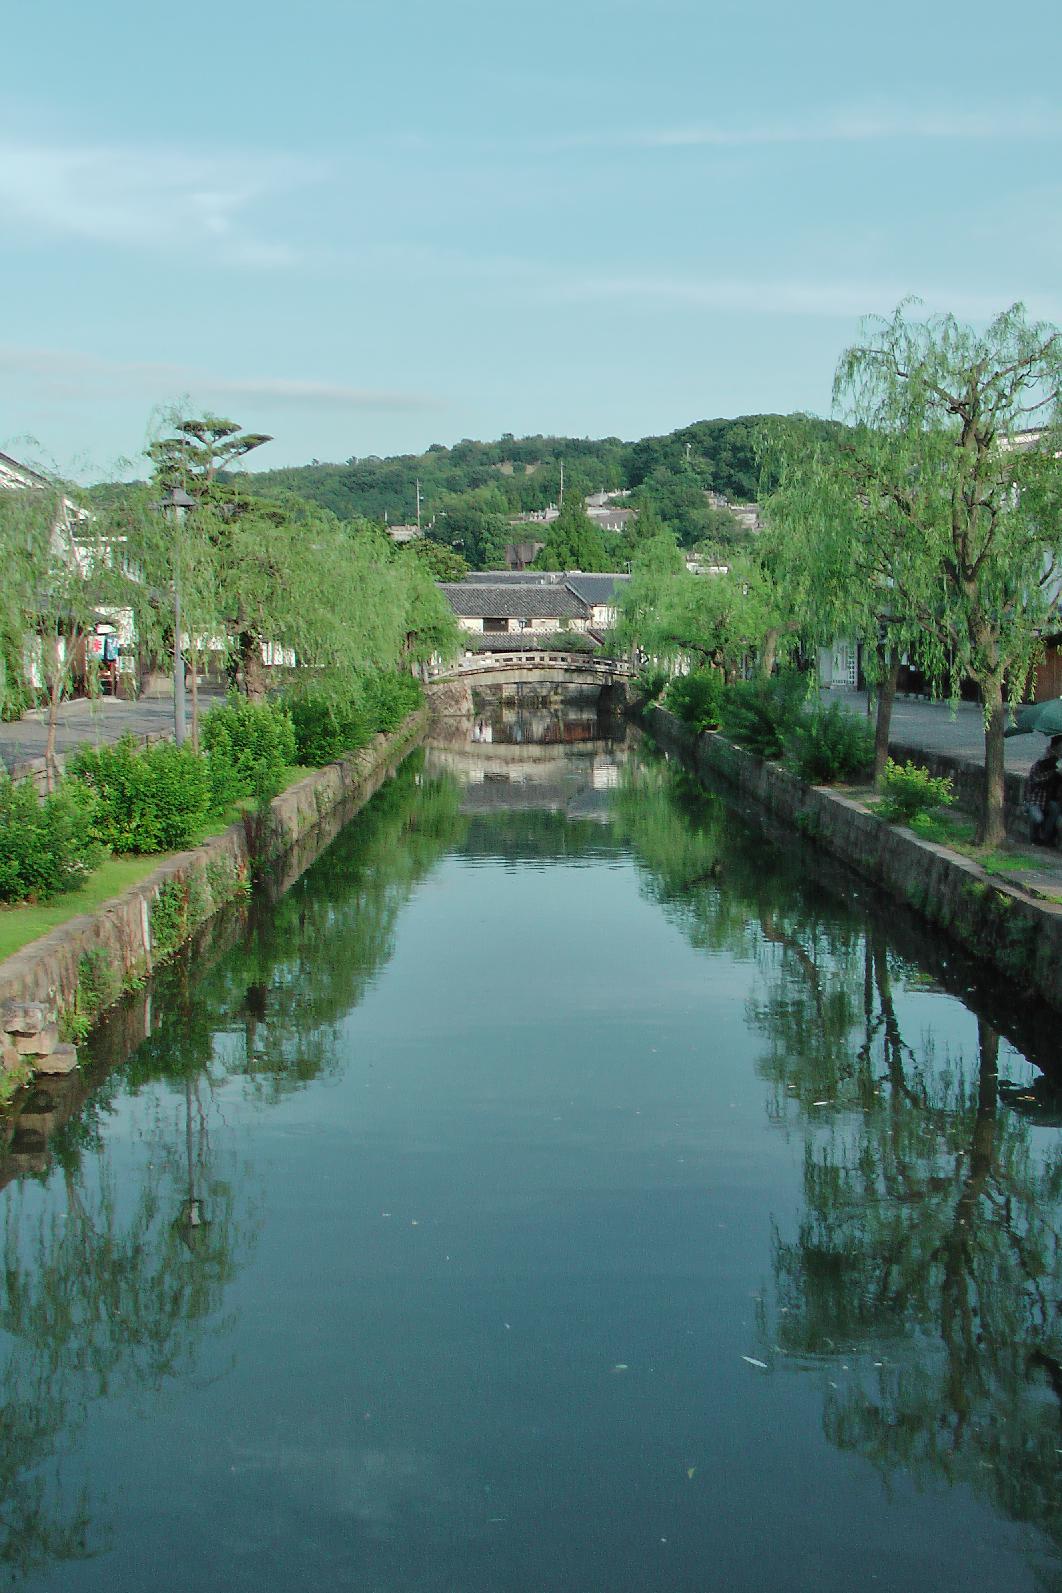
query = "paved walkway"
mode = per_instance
[
  {"x": 104, "y": 719},
  {"x": 937, "y": 727}
]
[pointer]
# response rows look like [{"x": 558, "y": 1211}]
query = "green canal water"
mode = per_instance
[{"x": 568, "y": 1184}]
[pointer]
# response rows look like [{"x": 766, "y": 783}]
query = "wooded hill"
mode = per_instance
[{"x": 517, "y": 475}]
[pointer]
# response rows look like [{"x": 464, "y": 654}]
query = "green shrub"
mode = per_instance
[
  {"x": 697, "y": 698},
  {"x": 909, "y": 791},
  {"x": 761, "y": 714},
  {"x": 248, "y": 747},
  {"x": 650, "y": 682},
  {"x": 45, "y": 846},
  {"x": 325, "y": 730},
  {"x": 149, "y": 799},
  {"x": 831, "y": 744},
  {"x": 391, "y": 698}
]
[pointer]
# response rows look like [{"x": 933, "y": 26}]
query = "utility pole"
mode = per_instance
[
  {"x": 418, "y": 503},
  {"x": 560, "y": 501}
]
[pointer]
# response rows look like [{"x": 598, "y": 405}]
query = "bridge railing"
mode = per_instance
[{"x": 487, "y": 663}]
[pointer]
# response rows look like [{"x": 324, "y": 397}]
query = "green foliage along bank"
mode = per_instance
[{"x": 124, "y": 799}]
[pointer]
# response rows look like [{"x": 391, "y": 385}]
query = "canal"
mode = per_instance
[{"x": 569, "y": 1183}]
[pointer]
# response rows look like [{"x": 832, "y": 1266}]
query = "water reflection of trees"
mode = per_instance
[
  {"x": 924, "y": 1275},
  {"x": 268, "y": 1010},
  {"x": 110, "y": 1283},
  {"x": 109, "y": 1288},
  {"x": 930, "y": 1245}
]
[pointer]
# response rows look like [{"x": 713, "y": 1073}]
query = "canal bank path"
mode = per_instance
[
  {"x": 938, "y": 727},
  {"x": 83, "y": 722}
]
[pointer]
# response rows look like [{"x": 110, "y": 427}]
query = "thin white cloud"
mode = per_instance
[
  {"x": 149, "y": 198},
  {"x": 774, "y": 295},
  {"x": 64, "y": 376},
  {"x": 845, "y": 298},
  {"x": 858, "y": 125}
]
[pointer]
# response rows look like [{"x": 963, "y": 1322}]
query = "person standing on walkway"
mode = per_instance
[{"x": 1043, "y": 795}]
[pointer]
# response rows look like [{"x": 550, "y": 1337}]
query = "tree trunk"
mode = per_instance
[
  {"x": 55, "y": 697},
  {"x": 195, "y": 693},
  {"x": 254, "y": 675},
  {"x": 889, "y": 659},
  {"x": 992, "y": 829},
  {"x": 769, "y": 653}
]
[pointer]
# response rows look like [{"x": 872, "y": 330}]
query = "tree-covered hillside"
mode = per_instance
[
  {"x": 470, "y": 493},
  {"x": 524, "y": 472}
]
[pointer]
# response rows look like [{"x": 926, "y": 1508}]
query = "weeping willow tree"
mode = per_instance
[
  {"x": 286, "y": 577},
  {"x": 58, "y": 569},
  {"x": 738, "y": 609},
  {"x": 938, "y": 513}
]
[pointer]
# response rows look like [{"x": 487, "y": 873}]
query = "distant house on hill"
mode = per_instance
[
  {"x": 608, "y": 518},
  {"x": 401, "y": 534},
  {"x": 518, "y": 555}
]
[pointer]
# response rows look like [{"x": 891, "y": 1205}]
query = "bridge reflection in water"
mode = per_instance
[{"x": 532, "y": 746}]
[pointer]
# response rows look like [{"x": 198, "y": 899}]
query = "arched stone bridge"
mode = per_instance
[{"x": 531, "y": 668}]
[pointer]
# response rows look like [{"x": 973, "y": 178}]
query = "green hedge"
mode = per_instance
[
  {"x": 157, "y": 798},
  {"x": 831, "y": 744},
  {"x": 148, "y": 799},
  {"x": 697, "y": 698},
  {"x": 391, "y": 698},
  {"x": 248, "y": 747},
  {"x": 325, "y": 730},
  {"x": 909, "y": 791},
  {"x": 762, "y": 714},
  {"x": 45, "y": 846}
]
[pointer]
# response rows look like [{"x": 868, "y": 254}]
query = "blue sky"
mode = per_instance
[{"x": 365, "y": 228}]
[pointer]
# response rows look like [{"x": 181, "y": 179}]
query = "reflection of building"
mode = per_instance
[{"x": 575, "y": 779}]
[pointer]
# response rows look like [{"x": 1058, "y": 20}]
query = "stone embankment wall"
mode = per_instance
[
  {"x": 84, "y": 965},
  {"x": 994, "y": 919}
]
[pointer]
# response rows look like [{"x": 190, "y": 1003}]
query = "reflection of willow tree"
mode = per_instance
[
  {"x": 929, "y": 1245},
  {"x": 112, "y": 1286},
  {"x": 107, "y": 1288},
  {"x": 267, "y": 1011},
  {"x": 929, "y": 1242},
  {"x": 719, "y": 881}
]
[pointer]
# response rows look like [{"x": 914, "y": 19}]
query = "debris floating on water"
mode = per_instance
[{"x": 754, "y": 1362}]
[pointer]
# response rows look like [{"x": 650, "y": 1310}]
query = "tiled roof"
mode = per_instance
[
  {"x": 512, "y": 600},
  {"x": 596, "y": 588}
]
